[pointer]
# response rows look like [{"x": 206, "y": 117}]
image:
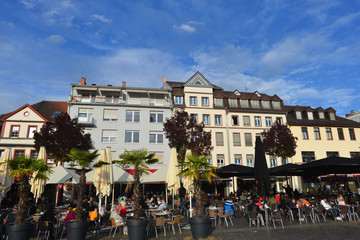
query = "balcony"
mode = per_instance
[{"x": 86, "y": 121}]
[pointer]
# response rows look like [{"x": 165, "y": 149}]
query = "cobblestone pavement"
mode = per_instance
[{"x": 294, "y": 231}]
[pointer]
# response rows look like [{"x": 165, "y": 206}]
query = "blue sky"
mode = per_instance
[{"x": 306, "y": 52}]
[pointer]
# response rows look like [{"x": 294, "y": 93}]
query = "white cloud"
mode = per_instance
[
  {"x": 55, "y": 39},
  {"x": 185, "y": 28},
  {"x": 28, "y": 4},
  {"x": 101, "y": 18}
]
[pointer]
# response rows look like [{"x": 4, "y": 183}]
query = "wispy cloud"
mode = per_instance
[
  {"x": 101, "y": 18},
  {"x": 55, "y": 39},
  {"x": 185, "y": 28},
  {"x": 28, "y": 4}
]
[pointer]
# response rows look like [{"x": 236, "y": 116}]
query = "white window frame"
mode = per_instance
[
  {"x": 268, "y": 121},
  {"x": 179, "y": 100},
  {"x": 205, "y": 101},
  {"x": 207, "y": 118},
  {"x": 110, "y": 136},
  {"x": 133, "y": 134},
  {"x": 159, "y": 137},
  {"x": 15, "y": 131},
  {"x": 156, "y": 117},
  {"x": 194, "y": 116},
  {"x": 193, "y": 101},
  {"x": 218, "y": 120},
  {"x": 31, "y": 132},
  {"x": 220, "y": 160},
  {"x": 250, "y": 160},
  {"x": 237, "y": 159},
  {"x": 111, "y": 118},
  {"x": 132, "y": 112},
  {"x": 257, "y": 120}
]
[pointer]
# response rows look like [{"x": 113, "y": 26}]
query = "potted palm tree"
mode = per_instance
[
  {"x": 139, "y": 159},
  {"x": 196, "y": 167},
  {"x": 23, "y": 168},
  {"x": 77, "y": 230}
]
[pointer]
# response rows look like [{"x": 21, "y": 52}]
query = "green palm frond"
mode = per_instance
[
  {"x": 26, "y": 165},
  {"x": 138, "y": 158},
  {"x": 82, "y": 158}
]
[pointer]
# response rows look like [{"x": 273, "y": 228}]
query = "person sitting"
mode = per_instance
[
  {"x": 272, "y": 202},
  {"x": 117, "y": 218},
  {"x": 70, "y": 216},
  {"x": 254, "y": 207},
  {"x": 328, "y": 207},
  {"x": 340, "y": 200},
  {"x": 302, "y": 202},
  {"x": 163, "y": 206},
  {"x": 122, "y": 209},
  {"x": 229, "y": 206},
  {"x": 10, "y": 218}
]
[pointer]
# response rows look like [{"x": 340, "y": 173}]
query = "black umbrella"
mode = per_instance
[
  {"x": 235, "y": 170},
  {"x": 289, "y": 169},
  {"x": 262, "y": 177}
]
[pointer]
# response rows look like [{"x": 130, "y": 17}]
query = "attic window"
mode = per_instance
[
  {"x": 276, "y": 105},
  {"x": 55, "y": 114},
  {"x": 198, "y": 83},
  {"x": 257, "y": 94},
  {"x": 310, "y": 115},
  {"x": 332, "y": 116},
  {"x": 237, "y": 93},
  {"x": 266, "y": 104},
  {"x": 321, "y": 115},
  {"x": 298, "y": 115}
]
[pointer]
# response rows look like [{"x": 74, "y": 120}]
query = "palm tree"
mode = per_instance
[
  {"x": 196, "y": 168},
  {"x": 83, "y": 159},
  {"x": 139, "y": 159},
  {"x": 24, "y": 167}
]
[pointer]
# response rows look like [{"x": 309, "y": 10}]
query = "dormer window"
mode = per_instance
[
  {"x": 233, "y": 102},
  {"x": 219, "y": 102},
  {"x": 321, "y": 115},
  {"x": 257, "y": 94},
  {"x": 310, "y": 115},
  {"x": 198, "y": 83},
  {"x": 255, "y": 104},
  {"x": 266, "y": 104},
  {"x": 298, "y": 115},
  {"x": 276, "y": 105},
  {"x": 332, "y": 116},
  {"x": 244, "y": 103},
  {"x": 237, "y": 93}
]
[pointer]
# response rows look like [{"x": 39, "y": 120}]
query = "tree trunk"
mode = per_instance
[
  {"x": 79, "y": 208},
  {"x": 198, "y": 198},
  {"x": 23, "y": 192},
  {"x": 136, "y": 193}
]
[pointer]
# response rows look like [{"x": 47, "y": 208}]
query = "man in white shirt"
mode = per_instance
[
  {"x": 328, "y": 207},
  {"x": 163, "y": 206}
]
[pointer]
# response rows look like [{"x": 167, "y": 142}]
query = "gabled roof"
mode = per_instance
[{"x": 195, "y": 80}]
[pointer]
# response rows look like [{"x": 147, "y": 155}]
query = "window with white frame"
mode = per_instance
[
  {"x": 308, "y": 156},
  {"x": 219, "y": 139},
  {"x": 237, "y": 159},
  {"x": 193, "y": 101},
  {"x": 328, "y": 134},
  {"x": 218, "y": 120},
  {"x": 220, "y": 160},
  {"x": 34, "y": 154},
  {"x": 132, "y": 116},
  {"x": 195, "y": 117},
  {"x": 283, "y": 161},
  {"x": 206, "y": 119},
  {"x": 156, "y": 117},
  {"x": 304, "y": 133},
  {"x": 310, "y": 115},
  {"x": 85, "y": 114},
  {"x": 268, "y": 121},
  {"x": 249, "y": 160},
  {"x": 317, "y": 133},
  {"x": 321, "y": 115},
  {"x": 272, "y": 161},
  {"x": 244, "y": 103},
  {"x": 14, "y": 131},
  {"x": 209, "y": 159},
  {"x": 109, "y": 136},
  {"x": 332, "y": 116},
  {"x": 179, "y": 100},
  {"x": 255, "y": 103},
  {"x": 19, "y": 153},
  {"x": 111, "y": 115},
  {"x": 279, "y": 120},
  {"x": 205, "y": 101},
  {"x": 246, "y": 120},
  {"x": 298, "y": 115},
  {"x": 236, "y": 139},
  {"x": 233, "y": 102},
  {"x": 235, "y": 120},
  {"x": 31, "y": 131},
  {"x": 156, "y": 137},
  {"x": 132, "y": 136},
  {"x": 257, "y": 121},
  {"x": 248, "y": 140}
]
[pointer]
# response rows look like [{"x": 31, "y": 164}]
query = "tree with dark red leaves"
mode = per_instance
[
  {"x": 60, "y": 137},
  {"x": 184, "y": 133},
  {"x": 279, "y": 141}
]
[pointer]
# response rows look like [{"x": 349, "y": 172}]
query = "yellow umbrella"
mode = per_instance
[
  {"x": 172, "y": 178},
  {"x": 110, "y": 167},
  {"x": 5, "y": 180},
  {"x": 102, "y": 177},
  {"x": 37, "y": 185}
]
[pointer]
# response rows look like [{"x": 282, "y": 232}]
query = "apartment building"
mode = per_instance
[{"x": 123, "y": 118}]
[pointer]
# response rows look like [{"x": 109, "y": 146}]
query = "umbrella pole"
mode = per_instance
[
  {"x": 191, "y": 206},
  {"x": 166, "y": 195},
  {"x": 56, "y": 195},
  {"x": 113, "y": 193},
  {"x": 105, "y": 201},
  {"x": 173, "y": 196}
]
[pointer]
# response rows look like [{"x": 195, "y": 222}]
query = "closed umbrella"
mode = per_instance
[
  {"x": 102, "y": 178},
  {"x": 262, "y": 177},
  {"x": 172, "y": 178},
  {"x": 5, "y": 180},
  {"x": 111, "y": 173},
  {"x": 37, "y": 185}
]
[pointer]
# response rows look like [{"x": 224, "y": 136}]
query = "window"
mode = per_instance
[
  {"x": 110, "y": 115},
  {"x": 276, "y": 105},
  {"x": 178, "y": 100},
  {"x": 156, "y": 117},
  {"x": 219, "y": 102},
  {"x": 19, "y": 153},
  {"x": 14, "y": 131},
  {"x": 1, "y": 152},
  {"x": 244, "y": 103},
  {"x": 266, "y": 104},
  {"x": 246, "y": 120},
  {"x": 255, "y": 104},
  {"x": 219, "y": 139},
  {"x": 218, "y": 120},
  {"x": 206, "y": 119},
  {"x": 283, "y": 161},
  {"x": 304, "y": 133},
  {"x": 205, "y": 101},
  {"x": 310, "y": 115},
  {"x": 235, "y": 120},
  {"x": 340, "y": 133},
  {"x": 249, "y": 160},
  {"x": 298, "y": 115},
  {"x": 328, "y": 134},
  {"x": 330, "y": 154},
  {"x": 317, "y": 133},
  {"x": 209, "y": 159},
  {"x": 85, "y": 114},
  {"x": 332, "y": 116},
  {"x": 321, "y": 115},
  {"x": 112, "y": 99},
  {"x": 195, "y": 117},
  {"x": 220, "y": 160},
  {"x": 257, "y": 121},
  {"x": 272, "y": 161},
  {"x": 355, "y": 155},
  {"x": 236, "y": 137},
  {"x": 248, "y": 140},
  {"x": 193, "y": 101},
  {"x": 31, "y": 131},
  {"x": 233, "y": 102},
  {"x": 237, "y": 159},
  {"x": 158, "y": 155},
  {"x": 132, "y": 116},
  {"x": 156, "y": 137},
  {"x": 132, "y": 136},
  {"x": 352, "y": 134},
  {"x": 268, "y": 121},
  {"x": 109, "y": 136},
  {"x": 308, "y": 156},
  {"x": 34, "y": 154},
  {"x": 279, "y": 120}
]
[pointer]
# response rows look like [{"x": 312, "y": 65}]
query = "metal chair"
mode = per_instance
[
  {"x": 227, "y": 216},
  {"x": 253, "y": 216},
  {"x": 320, "y": 211},
  {"x": 44, "y": 227},
  {"x": 212, "y": 215},
  {"x": 115, "y": 225},
  {"x": 277, "y": 217},
  {"x": 176, "y": 220},
  {"x": 160, "y": 223},
  {"x": 344, "y": 211}
]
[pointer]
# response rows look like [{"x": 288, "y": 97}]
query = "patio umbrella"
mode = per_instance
[
  {"x": 37, "y": 185},
  {"x": 5, "y": 180},
  {"x": 172, "y": 177},
  {"x": 61, "y": 175},
  {"x": 157, "y": 177},
  {"x": 289, "y": 169},
  {"x": 261, "y": 171},
  {"x": 111, "y": 173},
  {"x": 235, "y": 170}
]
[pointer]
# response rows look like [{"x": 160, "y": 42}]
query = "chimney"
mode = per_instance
[
  {"x": 123, "y": 84},
  {"x": 164, "y": 79},
  {"x": 83, "y": 81}
]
